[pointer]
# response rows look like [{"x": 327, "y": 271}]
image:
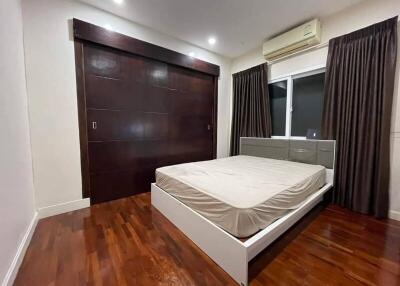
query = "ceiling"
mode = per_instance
[{"x": 238, "y": 25}]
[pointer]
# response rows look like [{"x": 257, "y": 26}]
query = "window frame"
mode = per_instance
[{"x": 289, "y": 96}]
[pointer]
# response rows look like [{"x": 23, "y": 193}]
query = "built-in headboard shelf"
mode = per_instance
[{"x": 315, "y": 152}]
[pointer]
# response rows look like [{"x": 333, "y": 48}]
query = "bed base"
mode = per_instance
[{"x": 231, "y": 254}]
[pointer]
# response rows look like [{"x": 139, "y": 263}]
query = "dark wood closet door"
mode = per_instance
[{"x": 142, "y": 114}]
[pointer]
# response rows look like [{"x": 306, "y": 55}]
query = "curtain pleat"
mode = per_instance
[
  {"x": 359, "y": 85},
  {"x": 251, "y": 110}
]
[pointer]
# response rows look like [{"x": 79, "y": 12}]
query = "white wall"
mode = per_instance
[
  {"x": 16, "y": 184},
  {"x": 50, "y": 67},
  {"x": 353, "y": 18}
]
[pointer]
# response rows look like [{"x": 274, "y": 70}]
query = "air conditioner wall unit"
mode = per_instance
[{"x": 299, "y": 38}]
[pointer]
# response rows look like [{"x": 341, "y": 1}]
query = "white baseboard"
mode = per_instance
[
  {"x": 19, "y": 255},
  {"x": 63, "y": 208},
  {"x": 394, "y": 215},
  {"x": 41, "y": 213}
]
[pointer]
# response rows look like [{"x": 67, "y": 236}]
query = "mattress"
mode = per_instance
[{"x": 241, "y": 194}]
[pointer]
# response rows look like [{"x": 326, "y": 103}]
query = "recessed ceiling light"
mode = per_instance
[
  {"x": 192, "y": 54},
  {"x": 108, "y": 27},
  {"x": 212, "y": 40},
  {"x": 118, "y": 1}
]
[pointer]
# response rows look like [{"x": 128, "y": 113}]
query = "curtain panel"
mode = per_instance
[
  {"x": 251, "y": 109},
  {"x": 359, "y": 87}
]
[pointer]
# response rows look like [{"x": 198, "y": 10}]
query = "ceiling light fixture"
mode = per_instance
[
  {"x": 192, "y": 54},
  {"x": 108, "y": 27},
  {"x": 119, "y": 2},
  {"x": 212, "y": 40}
]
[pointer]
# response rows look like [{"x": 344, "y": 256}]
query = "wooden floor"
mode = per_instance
[{"x": 127, "y": 242}]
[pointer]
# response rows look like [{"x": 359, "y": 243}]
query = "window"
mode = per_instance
[
  {"x": 277, "y": 95},
  {"x": 307, "y": 103},
  {"x": 296, "y": 104}
]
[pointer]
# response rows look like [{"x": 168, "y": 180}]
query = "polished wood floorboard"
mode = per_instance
[{"x": 127, "y": 242}]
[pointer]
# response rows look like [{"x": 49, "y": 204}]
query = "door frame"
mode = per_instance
[{"x": 86, "y": 33}]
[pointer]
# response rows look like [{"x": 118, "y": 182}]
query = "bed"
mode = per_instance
[{"x": 258, "y": 195}]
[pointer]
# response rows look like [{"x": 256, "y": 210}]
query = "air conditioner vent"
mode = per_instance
[{"x": 302, "y": 37}]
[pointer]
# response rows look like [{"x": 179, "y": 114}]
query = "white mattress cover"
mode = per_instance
[{"x": 241, "y": 194}]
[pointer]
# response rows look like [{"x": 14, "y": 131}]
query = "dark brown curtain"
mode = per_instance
[
  {"x": 251, "y": 112},
  {"x": 357, "y": 113}
]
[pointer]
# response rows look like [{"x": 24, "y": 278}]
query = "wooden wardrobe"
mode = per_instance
[{"x": 140, "y": 107}]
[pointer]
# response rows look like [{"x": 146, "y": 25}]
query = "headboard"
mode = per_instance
[{"x": 315, "y": 152}]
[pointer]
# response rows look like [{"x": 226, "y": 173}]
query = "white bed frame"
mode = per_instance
[
  {"x": 230, "y": 253},
  {"x": 227, "y": 251}
]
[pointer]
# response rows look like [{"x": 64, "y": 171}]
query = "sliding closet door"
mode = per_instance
[{"x": 141, "y": 114}]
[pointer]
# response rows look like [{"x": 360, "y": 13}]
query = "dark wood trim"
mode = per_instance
[
  {"x": 215, "y": 118},
  {"x": 92, "y": 33},
  {"x": 81, "y": 99}
]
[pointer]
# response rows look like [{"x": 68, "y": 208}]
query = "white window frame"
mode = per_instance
[{"x": 289, "y": 97}]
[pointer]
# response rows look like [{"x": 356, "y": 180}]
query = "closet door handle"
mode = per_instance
[
  {"x": 94, "y": 125},
  {"x": 208, "y": 126}
]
